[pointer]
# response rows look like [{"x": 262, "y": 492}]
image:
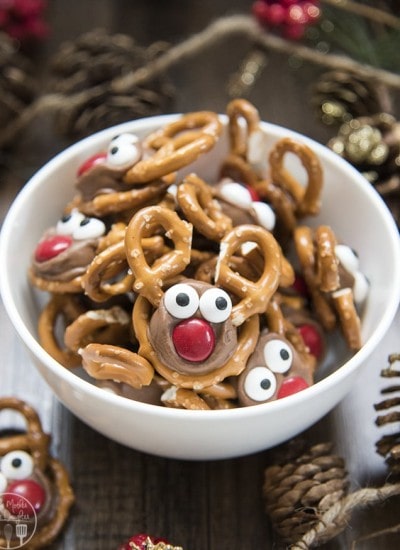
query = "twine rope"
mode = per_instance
[{"x": 219, "y": 29}]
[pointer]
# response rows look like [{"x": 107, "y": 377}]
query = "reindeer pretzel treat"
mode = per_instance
[
  {"x": 173, "y": 293},
  {"x": 34, "y": 487}
]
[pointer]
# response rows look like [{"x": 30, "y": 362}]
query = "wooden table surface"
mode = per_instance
[{"x": 215, "y": 505}]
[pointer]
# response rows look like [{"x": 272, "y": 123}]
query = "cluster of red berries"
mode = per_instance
[
  {"x": 23, "y": 19},
  {"x": 292, "y": 17}
]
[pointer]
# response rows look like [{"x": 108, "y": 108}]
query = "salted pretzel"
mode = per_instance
[
  {"x": 105, "y": 204},
  {"x": 67, "y": 308},
  {"x": 247, "y": 340},
  {"x": 173, "y": 151},
  {"x": 108, "y": 274},
  {"x": 320, "y": 269},
  {"x": 109, "y": 362},
  {"x": 308, "y": 198},
  {"x": 41, "y": 471},
  {"x": 110, "y": 325},
  {"x": 149, "y": 280},
  {"x": 255, "y": 295},
  {"x": 242, "y": 140},
  {"x": 218, "y": 396},
  {"x": 206, "y": 270},
  {"x": 195, "y": 198}
]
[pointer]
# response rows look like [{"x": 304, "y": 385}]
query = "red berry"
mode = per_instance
[
  {"x": 140, "y": 542},
  {"x": 276, "y": 14},
  {"x": 300, "y": 286},
  {"x": 260, "y": 11},
  {"x": 294, "y": 32},
  {"x": 92, "y": 161},
  {"x": 312, "y": 12},
  {"x": 25, "y": 495},
  {"x": 291, "y": 386},
  {"x": 194, "y": 339},
  {"x": 295, "y": 15},
  {"x": 52, "y": 247}
]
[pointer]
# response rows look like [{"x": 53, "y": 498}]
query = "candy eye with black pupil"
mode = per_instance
[
  {"x": 260, "y": 384},
  {"x": 89, "y": 228},
  {"x": 69, "y": 222},
  {"x": 278, "y": 355},
  {"x": 16, "y": 465},
  {"x": 181, "y": 301},
  {"x": 215, "y": 305},
  {"x": 124, "y": 151}
]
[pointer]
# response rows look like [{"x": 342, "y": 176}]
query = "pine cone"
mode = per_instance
[
  {"x": 299, "y": 491},
  {"x": 341, "y": 95},
  {"x": 389, "y": 445},
  {"x": 17, "y": 84},
  {"x": 84, "y": 71}
]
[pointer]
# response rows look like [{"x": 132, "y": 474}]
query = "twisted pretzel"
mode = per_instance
[
  {"x": 98, "y": 326},
  {"x": 236, "y": 110},
  {"x": 214, "y": 397},
  {"x": 254, "y": 295},
  {"x": 68, "y": 308},
  {"x": 320, "y": 271},
  {"x": 195, "y": 198},
  {"x": 105, "y": 204},
  {"x": 307, "y": 199},
  {"x": 109, "y": 362},
  {"x": 174, "y": 151},
  {"x": 247, "y": 341},
  {"x": 150, "y": 280}
]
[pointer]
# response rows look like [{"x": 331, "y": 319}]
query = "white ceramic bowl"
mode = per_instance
[{"x": 350, "y": 205}]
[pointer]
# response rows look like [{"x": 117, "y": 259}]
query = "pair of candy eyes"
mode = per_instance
[
  {"x": 80, "y": 227},
  {"x": 260, "y": 382},
  {"x": 15, "y": 465},
  {"x": 182, "y": 301}
]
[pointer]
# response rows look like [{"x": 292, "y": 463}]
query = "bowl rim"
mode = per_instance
[{"x": 87, "y": 388}]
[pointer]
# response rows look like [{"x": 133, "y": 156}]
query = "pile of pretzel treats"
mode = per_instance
[{"x": 181, "y": 292}]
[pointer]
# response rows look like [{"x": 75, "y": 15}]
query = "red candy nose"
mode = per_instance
[
  {"x": 194, "y": 339},
  {"x": 89, "y": 163},
  {"x": 52, "y": 247},
  {"x": 253, "y": 193},
  {"x": 24, "y": 496},
  {"x": 312, "y": 339},
  {"x": 292, "y": 385}
]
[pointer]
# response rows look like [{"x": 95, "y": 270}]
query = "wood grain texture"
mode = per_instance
[{"x": 215, "y": 505}]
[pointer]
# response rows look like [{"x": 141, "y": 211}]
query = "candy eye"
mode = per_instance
[
  {"x": 68, "y": 223},
  {"x": 124, "y": 151},
  {"x": 236, "y": 194},
  {"x": 347, "y": 257},
  {"x": 264, "y": 214},
  {"x": 260, "y": 384},
  {"x": 89, "y": 228},
  {"x": 360, "y": 288},
  {"x": 17, "y": 465},
  {"x": 215, "y": 305},
  {"x": 278, "y": 356},
  {"x": 181, "y": 301}
]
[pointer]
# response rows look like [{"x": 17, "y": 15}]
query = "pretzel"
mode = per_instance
[
  {"x": 242, "y": 109},
  {"x": 254, "y": 295},
  {"x": 322, "y": 272},
  {"x": 349, "y": 319},
  {"x": 149, "y": 280},
  {"x": 109, "y": 362},
  {"x": 98, "y": 326},
  {"x": 195, "y": 198},
  {"x": 74, "y": 286},
  {"x": 36, "y": 442},
  {"x": 175, "y": 152},
  {"x": 215, "y": 397},
  {"x": 257, "y": 262},
  {"x": 67, "y": 307},
  {"x": 105, "y": 204},
  {"x": 247, "y": 341},
  {"x": 239, "y": 170},
  {"x": 112, "y": 262},
  {"x": 307, "y": 199},
  {"x": 206, "y": 270}
]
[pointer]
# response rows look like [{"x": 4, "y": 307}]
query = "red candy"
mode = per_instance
[
  {"x": 89, "y": 163},
  {"x": 52, "y": 247},
  {"x": 194, "y": 339},
  {"x": 291, "y": 386},
  {"x": 312, "y": 339},
  {"x": 140, "y": 542},
  {"x": 253, "y": 194},
  {"x": 22, "y": 492}
]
